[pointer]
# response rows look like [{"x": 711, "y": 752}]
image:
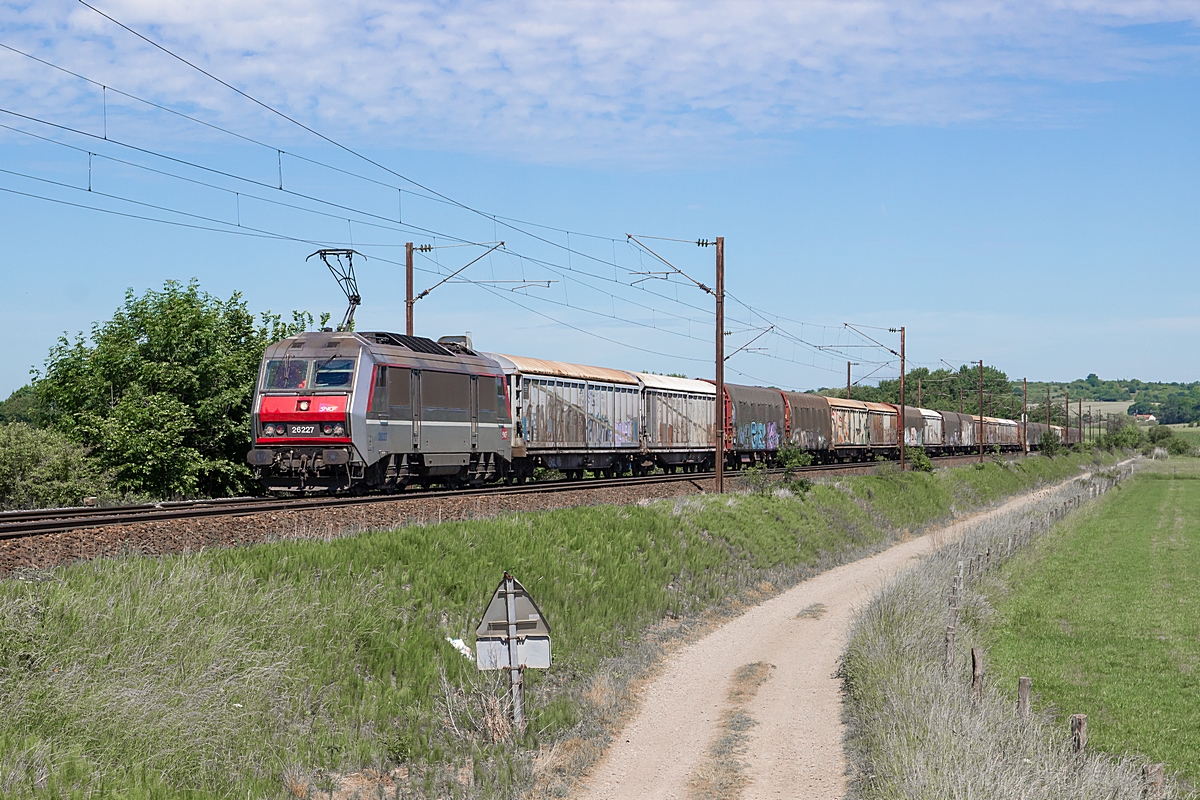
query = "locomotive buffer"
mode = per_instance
[{"x": 512, "y": 636}]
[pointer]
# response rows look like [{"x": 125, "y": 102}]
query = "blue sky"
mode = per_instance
[{"x": 1013, "y": 182}]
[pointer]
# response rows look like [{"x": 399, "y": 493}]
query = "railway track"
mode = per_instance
[{"x": 19, "y": 524}]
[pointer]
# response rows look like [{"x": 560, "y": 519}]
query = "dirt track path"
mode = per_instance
[{"x": 795, "y": 750}]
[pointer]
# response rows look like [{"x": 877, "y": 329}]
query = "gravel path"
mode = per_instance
[{"x": 795, "y": 749}]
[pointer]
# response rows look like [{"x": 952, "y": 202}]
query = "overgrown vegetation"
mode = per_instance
[
  {"x": 218, "y": 674},
  {"x": 1125, "y": 648},
  {"x": 915, "y": 729},
  {"x": 158, "y": 397},
  {"x": 43, "y": 469},
  {"x": 1049, "y": 444},
  {"x": 1126, "y": 436}
]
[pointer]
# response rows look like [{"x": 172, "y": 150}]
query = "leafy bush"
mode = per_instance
[
  {"x": 791, "y": 457},
  {"x": 44, "y": 469},
  {"x": 756, "y": 478},
  {"x": 1049, "y": 444},
  {"x": 919, "y": 459},
  {"x": 161, "y": 392},
  {"x": 1127, "y": 437}
]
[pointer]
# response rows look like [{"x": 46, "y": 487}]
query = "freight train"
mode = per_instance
[{"x": 341, "y": 411}]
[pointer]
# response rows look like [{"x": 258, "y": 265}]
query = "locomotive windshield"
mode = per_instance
[
  {"x": 286, "y": 373},
  {"x": 334, "y": 372}
]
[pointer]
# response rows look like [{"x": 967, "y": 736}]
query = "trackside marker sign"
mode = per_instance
[{"x": 513, "y": 635}]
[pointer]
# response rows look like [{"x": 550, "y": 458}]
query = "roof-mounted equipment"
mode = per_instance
[{"x": 342, "y": 267}]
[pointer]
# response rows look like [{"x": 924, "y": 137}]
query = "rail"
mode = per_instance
[{"x": 17, "y": 524}]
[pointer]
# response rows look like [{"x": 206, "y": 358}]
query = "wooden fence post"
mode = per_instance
[
  {"x": 1079, "y": 732},
  {"x": 977, "y": 674},
  {"x": 1152, "y": 777},
  {"x": 1023, "y": 687},
  {"x": 949, "y": 649}
]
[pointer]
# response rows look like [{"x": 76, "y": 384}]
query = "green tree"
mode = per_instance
[
  {"x": 42, "y": 468},
  {"x": 22, "y": 406},
  {"x": 161, "y": 393}
]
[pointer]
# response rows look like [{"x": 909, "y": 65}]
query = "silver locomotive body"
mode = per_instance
[{"x": 378, "y": 411}]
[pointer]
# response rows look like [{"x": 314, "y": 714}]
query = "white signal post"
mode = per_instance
[{"x": 515, "y": 674}]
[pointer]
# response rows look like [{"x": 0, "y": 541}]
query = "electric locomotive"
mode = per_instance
[{"x": 341, "y": 410}]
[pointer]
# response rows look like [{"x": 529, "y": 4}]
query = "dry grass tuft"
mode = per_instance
[
  {"x": 815, "y": 611},
  {"x": 722, "y": 776},
  {"x": 747, "y": 680},
  {"x": 296, "y": 781}
]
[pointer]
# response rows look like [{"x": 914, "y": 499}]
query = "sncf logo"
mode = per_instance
[{"x": 327, "y": 407}]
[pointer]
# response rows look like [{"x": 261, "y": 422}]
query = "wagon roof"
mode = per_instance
[
  {"x": 881, "y": 407},
  {"x": 671, "y": 384},
  {"x": 843, "y": 403},
  {"x": 806, "y": 399},
  {"x": 563, "y": 369}
]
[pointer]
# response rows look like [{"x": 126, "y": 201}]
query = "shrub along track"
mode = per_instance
[{"x": 45, "y": 538}]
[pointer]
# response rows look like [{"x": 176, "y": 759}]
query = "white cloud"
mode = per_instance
[{"x": 618, "y": 80}]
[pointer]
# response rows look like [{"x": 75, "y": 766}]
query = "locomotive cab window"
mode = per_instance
[
  {"x": 491, "y": 401},
  {"x": 334, "y": 373},
  {"x": 286, "y": 373},
  {"x": 378, "y": 406},
  {"x": 501, "y": 402}
]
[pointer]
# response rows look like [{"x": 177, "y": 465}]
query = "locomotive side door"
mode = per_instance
[
  {"x": 416, "y": 410},
  {"x": 475, "y": 412}
]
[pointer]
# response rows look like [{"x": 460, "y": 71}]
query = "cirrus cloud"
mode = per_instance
[{"x": 608, "y": 79}]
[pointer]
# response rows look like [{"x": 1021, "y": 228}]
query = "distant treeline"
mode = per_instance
[{"x": 940, "y": 389}]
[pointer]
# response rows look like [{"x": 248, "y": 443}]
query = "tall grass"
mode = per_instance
[
  {"x": 223, "y": 673},
  {"x": 915, "y": 729}
]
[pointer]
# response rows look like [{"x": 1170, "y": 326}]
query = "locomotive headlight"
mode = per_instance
[
  {"x": 269, "y": 430},
  {"x": 339, "y": 429},
  {"x": 303, "y": 405},
  {"x": 327, "y": 429}
]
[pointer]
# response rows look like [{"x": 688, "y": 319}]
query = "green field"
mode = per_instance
[
  {"x": 227, "y": 673},
  {"x": 1104, "y": 618},
  {"x": 1192, "y": 435}
]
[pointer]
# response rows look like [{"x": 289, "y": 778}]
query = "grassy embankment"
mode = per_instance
[
  {"x": 259, "y": 670},
  {"x": 916, "y": 729},
  {"x": 1104, "y": 618}
]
